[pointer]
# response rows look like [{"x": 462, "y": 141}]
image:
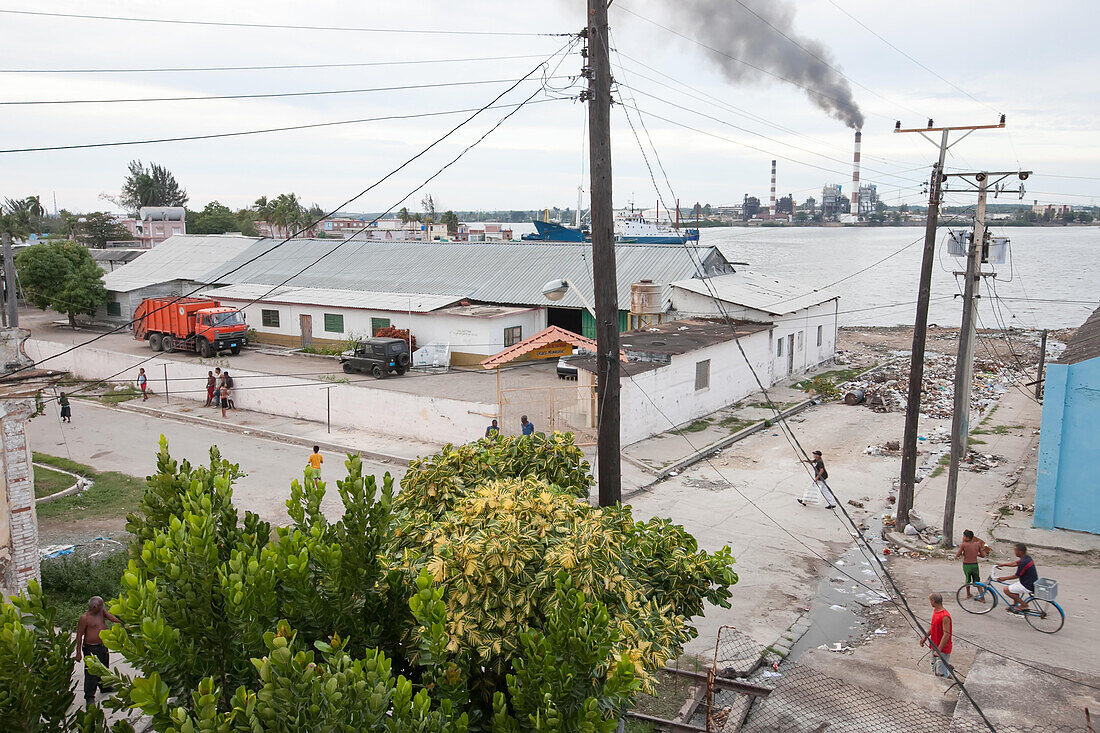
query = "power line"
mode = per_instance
[
  {"x": 276, "y": 67},
  {"x": 279, "y": 26},
  {"x": 241, "y": 133},
  {"x": 915, "y": 61},
  {"x": 263, "y": 95},
  {"x": 374, "y": 185}
]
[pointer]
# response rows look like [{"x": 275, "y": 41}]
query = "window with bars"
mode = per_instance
[
  {"x": 269, "y": 318},
  {"x": 114, "y": 309},
  {"x": 377, "y": 324},
  {"x": 513, "y": 335},
  {"x": 820, "y": 330},
  {"x": 702, "y": 374},
  {"x": 779, "y": 347},
  {"x": 334, "y": 323}
]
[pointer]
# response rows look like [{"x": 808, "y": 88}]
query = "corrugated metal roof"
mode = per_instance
[
  {"x": 759, "y": 292},
  {"x": 366, "y": 299},
  {"x": 180, "y": 257},
  {"x": 494, "y": 272},
  {"x": 1085, "y": 343}
]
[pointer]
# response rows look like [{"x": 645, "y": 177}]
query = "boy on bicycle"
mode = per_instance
[{"x": 1025, "y": 578}]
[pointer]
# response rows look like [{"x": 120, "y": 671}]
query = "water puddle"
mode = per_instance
[{"x": 837, "y": 612}]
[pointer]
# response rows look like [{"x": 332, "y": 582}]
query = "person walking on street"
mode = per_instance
[
  {"x": 66, "y": 410},
  {"x": 528, "y": 428},
  {"x": 143, "y": 383},
  {"x": 315, "y": 458},
  {"x": 229, "y": 386},
  {"x": 971, "y": 549},
  {"x": 1025, "y": 578},
  {"x": 211, "y": 387},
  {"x": 88, "y": 644},
  {"x": 939, "y": 634},
  {"x": 224, "y": 398},
  {"x": 819, "y": 486},
  {"x": 493, "y": 431}
]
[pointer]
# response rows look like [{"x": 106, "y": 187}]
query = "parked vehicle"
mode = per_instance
[
  {"x": 190, "y": 324},
  {"x": 566, "y": 370},
  {"x": 378, "y": 356}
]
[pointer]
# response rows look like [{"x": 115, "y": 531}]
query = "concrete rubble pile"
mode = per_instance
[{"x": 885, "y": 389}]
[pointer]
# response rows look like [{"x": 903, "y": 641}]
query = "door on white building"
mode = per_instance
[
  {"x": 305, "y": 321},
  {"x": 790, "y": 354}
]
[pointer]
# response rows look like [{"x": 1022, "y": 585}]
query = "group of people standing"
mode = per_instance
[
  {"x": 526, "y": 428},
  {"x": 219, "y": 390}
]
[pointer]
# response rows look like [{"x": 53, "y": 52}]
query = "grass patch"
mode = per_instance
[
  {"x": 995, "y": 430},
  {"x": 324, "y": 350},
  {"x": 120, "y": 395},
  {"x": 834, "y": 377},
  {"x": 975, "y": 441},
  {"x": 734, "y": 424},
  {"x": 47, "y": 482},
  {"x": 638, "y": 726},
  {"x": 670, "y": 694},
  {"x": 989, "y": 414},
  {"x": 941, "y": 466},
  {"x": 695, "y": 426},
  {"x": 69, "y": 582},
  {"x": 112, "y": 494}
]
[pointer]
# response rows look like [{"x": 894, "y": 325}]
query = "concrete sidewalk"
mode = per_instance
[{"x": 289, "y": 430}]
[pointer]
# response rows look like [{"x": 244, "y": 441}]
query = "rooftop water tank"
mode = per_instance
[{"x": 645, "y": 298}]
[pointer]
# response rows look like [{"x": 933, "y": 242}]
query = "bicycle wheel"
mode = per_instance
[
  {"x": 981, "y": 600},
  {"x": 1045, "y": 616}
]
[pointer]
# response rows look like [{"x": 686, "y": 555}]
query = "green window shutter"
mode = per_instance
[
  {"x": 114, "y": 309},
  {"x": 378, "y": 323},
  {"x": 269, "y": 318},
  {"x": 624, "y": 321},
  {"x": 334, "y": 323}
]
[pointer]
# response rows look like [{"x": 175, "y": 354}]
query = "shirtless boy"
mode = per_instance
[
  {"x": 971, "y": 549},
  {"x": 91, "y": 623}
]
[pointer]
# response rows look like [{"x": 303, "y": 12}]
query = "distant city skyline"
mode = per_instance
[{"x": 1034, "y": 71}]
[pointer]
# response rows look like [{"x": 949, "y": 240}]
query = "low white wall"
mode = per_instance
[
  {"x": 383, "y": 411},
  {"x": 650, "y": 400},
  {"x": 807, "y": 354}
]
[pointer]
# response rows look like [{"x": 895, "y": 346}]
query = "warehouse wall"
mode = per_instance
[{"x": 390, "y": 412}]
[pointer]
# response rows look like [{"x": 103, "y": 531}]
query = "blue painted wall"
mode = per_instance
[{"x": 1067, "y": 487}]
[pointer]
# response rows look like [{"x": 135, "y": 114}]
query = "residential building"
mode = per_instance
[
  {"x": 1065, "y": 483},
  {"x": 154, "y": 224}
]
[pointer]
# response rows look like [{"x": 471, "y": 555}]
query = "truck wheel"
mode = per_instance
[
  {"x": 235, "y": 350},
  {"x": 403, "y": 359},
  {"x": 377, "y": 372},
  {"x": 155, "y": 342},
  {"x": 168, "y": 343},
  {"x": 348, "y": 368},
  {"x": 206, "y": 349}
]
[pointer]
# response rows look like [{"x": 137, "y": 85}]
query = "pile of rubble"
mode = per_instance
[{"x": 885, "y": 389}]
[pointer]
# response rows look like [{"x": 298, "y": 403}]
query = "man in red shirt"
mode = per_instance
[{"x": 940, "y": 635}]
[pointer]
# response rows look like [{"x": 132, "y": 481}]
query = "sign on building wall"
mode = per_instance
[{"x": 552, "y": 351}]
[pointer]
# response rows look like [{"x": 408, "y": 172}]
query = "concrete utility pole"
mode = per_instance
[
  {"x": 1042, "y": 366},
  {"x": 964, "y": 362},
  {"x": 920, "y": 329},
  {"x": 603, "y": 256},
  {"x": 12, "y": 301},
  {"x": 977, "y": 253}
]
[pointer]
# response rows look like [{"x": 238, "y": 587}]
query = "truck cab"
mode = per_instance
[{"x": 222, "y": 328}]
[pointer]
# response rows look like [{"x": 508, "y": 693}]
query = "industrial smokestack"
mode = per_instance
[
  {"x": 855, "y": 176},
  {"x": 771, "y": 206}
]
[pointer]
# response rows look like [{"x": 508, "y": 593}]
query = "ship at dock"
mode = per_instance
[{"x": 630, "y": 228}]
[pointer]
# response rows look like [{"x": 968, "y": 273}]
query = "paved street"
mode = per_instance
[{"x": 110, "y": 439}]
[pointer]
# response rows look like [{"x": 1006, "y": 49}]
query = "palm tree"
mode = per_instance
[
  {"x": 265, "y": 212},
  {"x": 34, "y": 209}
]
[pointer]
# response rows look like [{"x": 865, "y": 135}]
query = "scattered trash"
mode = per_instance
[
  {"x": 1023, "y": 507},
  {"x": 51, "y": 551},
  {"x": 911, "y": 531},
  {"x": 881, "y": 632},
  {"x": 673, "y": 473},
  {"x": 857, "y": 504},
  {"x": 885, "y": 389}
]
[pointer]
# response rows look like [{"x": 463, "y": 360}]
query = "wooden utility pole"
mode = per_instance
[
  {"x": 603, "y": 256},
  {"x": 920, "y": 329},
  {"x": 1042, "y": 366},
  {"x": 964, "y": 362}
]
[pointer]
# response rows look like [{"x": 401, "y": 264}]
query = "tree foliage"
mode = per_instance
[
  {"x": 61, "y": 276},
  {"x": 487, "y": 596},
  {"x": 217, "y": 218},
  {"x": 152, "y": 185}
]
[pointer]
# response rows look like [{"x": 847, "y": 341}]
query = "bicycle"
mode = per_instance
[{"x": 1043, "y": 615}]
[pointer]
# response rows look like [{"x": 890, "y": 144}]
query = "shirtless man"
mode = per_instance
[{"x": 88, "y": 643}]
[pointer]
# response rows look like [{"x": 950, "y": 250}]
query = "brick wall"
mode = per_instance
[{"x": 19, "y": 561}]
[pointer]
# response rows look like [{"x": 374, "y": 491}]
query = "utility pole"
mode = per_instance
[
  {"x": 12, "y": 300},
  {"x": 603, "y": 256},
  {"x": 1042, "y": 365},
  {"x": 920, "y": 329},
  {"x": 977, "y": 253}
]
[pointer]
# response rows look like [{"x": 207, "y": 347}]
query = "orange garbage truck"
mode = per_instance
[{"x": 190, "y": 324}]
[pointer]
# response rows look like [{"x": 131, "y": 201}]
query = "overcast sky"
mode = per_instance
[{"x": 1033, "y": 62}]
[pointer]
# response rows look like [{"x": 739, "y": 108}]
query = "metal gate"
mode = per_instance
[{"x": 568, "y": 409}]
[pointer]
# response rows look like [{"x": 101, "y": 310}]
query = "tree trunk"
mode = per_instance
[{"x": 72, "y": 320}]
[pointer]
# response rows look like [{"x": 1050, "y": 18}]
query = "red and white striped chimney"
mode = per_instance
[
  {"x": 771, "y": 207},
  {"x": 854, "y": 211}
]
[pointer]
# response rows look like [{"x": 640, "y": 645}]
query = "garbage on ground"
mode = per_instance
[
  {"x": 52, "y": 551},
  {"x": 857, "y": 504},
  {"x": 1022, "y": 507}
]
